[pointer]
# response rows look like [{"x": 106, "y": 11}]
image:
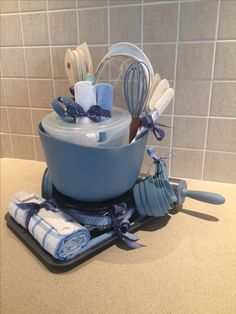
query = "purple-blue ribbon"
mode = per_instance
[
  {"x": 148, "y": 123},
  {"x": 34, "y": 208},
  {"x": 152, "y": 153},
  {"x": 94, "y": 113},
  {"x": 117, "y": 218},
  {"x": 74, "y": 110},
  {"x": 156, "y": 159},
  {"x": 121, "y": 225}
]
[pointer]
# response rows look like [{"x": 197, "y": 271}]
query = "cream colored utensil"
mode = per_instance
[
  {"x": 159, "y": 91},
  {"x": 88, "y": 61},
  {"x": 82, "y": 66},
  {"x": 160, "y": 106},
  {"x": 78, "y": 65},
  {"x": 71, "y": 67},
  {"x": 153, "y": 87},
  {"x": 164, "y": 101},
  {"x": 87, "y": 57}
]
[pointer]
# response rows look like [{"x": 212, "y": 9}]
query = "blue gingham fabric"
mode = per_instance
[{"x": 62, "y": 247}]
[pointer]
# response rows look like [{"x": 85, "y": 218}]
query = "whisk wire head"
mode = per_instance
[{"x": 136, "y": 86}]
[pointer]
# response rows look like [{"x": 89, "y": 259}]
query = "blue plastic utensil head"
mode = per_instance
[
  {"x": 157, "y": 210},
  {"x": 143, "y": 197},
  {"x": 137, "y": 199},
  {"x": 159, "y": 191}
]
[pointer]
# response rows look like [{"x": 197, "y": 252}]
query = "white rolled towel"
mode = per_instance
[{"x": 85, "y": 95}]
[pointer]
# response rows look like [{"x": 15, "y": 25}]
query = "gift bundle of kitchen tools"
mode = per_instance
[{"x": 91, "y": 190}]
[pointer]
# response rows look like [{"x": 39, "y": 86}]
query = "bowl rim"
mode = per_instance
[{"x": 41, "y": 130}]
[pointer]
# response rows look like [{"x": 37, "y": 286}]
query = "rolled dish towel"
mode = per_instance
[
  {"x": 85, "y": 95},
  {"x": 58, "y": 233},
  {"x": 104, "y": 95}
]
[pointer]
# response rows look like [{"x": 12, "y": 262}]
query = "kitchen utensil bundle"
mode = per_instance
[
  {"x": 155, "y": 196},
  {"x": 91, "y": 160}
]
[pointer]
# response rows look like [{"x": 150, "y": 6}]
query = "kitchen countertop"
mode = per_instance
[{"x": 188, "y": 264}]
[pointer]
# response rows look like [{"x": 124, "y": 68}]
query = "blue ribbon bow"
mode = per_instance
[
  {"x": 148, "y": 123},
  {"x": 158, "y": 160},
  {"x": 117, "y": 218},
  {"x": 152, "y": 153},
  {"x": 121, "y": 225},
  {"x": 74, "y": 110},
  {"x": 34, "y": 208},
  {"x": 94, "y": 113}
]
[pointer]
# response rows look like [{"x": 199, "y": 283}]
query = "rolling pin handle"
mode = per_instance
[{"x": 206, "y": 197}]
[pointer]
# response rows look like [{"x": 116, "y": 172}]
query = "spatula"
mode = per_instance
[{"x": 159, "y": 91}]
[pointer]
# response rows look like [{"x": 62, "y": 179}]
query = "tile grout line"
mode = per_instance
[
  {"x": 77, "y": 21},
  {"x": 142, "y": 18},
  {"x": 149, "y": 145},
  {"x": 191, "y": 149},
  {"x": 109, "y": 36},
  {"x": 27, "y": 82},
  {"x": 50, "y": 49},
  {"x": 21, "y": 134},
  {"x": 175, "y": 74},
  {"x": 211, "y": 88},
  {"x": 61, "y": 78},
  {"x": 37, "y": 11},
  {"x": 167, "y": 115},
  {"x": 26, "y": 108},
  {"x": 8, "y": 120},
  {"x": 112, "y": 6},
  {"x": 108, "y": 25},
  {"x": 194, "y": 42}
]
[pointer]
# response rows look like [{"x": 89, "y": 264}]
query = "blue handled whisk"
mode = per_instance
[{"x": 136, "y": 87}]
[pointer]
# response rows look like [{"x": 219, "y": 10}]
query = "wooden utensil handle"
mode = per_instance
[{"x": 135, "y": 124}]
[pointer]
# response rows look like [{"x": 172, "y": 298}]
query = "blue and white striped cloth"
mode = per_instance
[{"x": 62, "y": 247}]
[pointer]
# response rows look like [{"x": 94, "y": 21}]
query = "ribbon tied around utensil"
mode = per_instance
[
  {"x": 117, "y": 218},
  {"x": 33, "y": 208},
  {"x": 148, "y": 123},
  {"x": 121, "y": 225},
  {"x": 157, "y": 160},
  {"x": 74, "y": 110}
]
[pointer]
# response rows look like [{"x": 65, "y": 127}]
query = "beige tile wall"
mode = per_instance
[{"x": 191, "y": 43}]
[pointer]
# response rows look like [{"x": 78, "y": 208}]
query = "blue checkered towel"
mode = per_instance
[{"x": 60, "y": 246}]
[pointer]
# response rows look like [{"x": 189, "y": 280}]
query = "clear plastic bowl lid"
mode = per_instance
[{"x": 120, "y": 119}]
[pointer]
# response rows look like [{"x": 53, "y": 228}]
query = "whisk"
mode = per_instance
[{"x": 136, "y": 87}]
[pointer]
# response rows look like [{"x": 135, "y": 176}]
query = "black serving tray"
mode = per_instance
[{"x": 57, "y": 266}]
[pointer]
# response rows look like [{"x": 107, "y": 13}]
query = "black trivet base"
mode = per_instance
[{"x": 57, "y": 266}]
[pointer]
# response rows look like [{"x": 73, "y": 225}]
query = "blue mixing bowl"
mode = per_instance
[{"x": 89, "y": 173}]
